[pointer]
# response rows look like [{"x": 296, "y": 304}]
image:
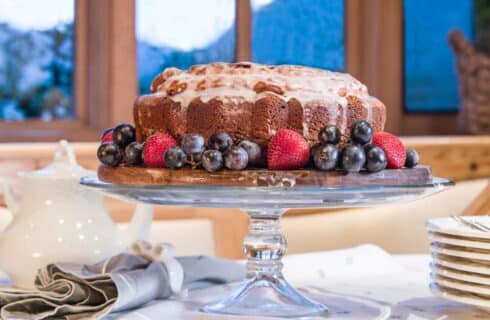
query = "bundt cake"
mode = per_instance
[{"x": 252, "y": 101}]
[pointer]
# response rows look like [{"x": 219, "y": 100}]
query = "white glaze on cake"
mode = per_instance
[
  {"x": 236, "y": 83},
  {"x": 224, "y": 82}
]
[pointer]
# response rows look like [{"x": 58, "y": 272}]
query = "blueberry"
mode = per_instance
[
  {"x": 253, "y": 150},
  {"x": 339, "y": 163},
  {"x": 367, "y": 147},
  {"x": 353, "y": 158},
  {"x": 412, "y": 159},
  {"x": 236, "y": 158},
  {"x": 133, "y": 153},
  {"x": 109, "y": 154},
  {"x": 376, "y": 159},
  {"x": 361, "y": 132},
  {"x": 212, "y": 160},
  {"x": 174, "y": 158},
  {"x": 326, "y": 157},
  {"x": 313, "y": 149},
  {"x": 194, "y": 159},
  {"x": 329, "y": 135},
  {"x": 192, "y": 144},
  {"x": 123, "y": 134},
  {"x": 220, "y": 141}
]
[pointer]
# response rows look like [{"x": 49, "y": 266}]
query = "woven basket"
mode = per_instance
[{"x": 474, "y": 85}]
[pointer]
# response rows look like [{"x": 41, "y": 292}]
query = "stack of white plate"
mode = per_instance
[{"x": 460, "y": 267}]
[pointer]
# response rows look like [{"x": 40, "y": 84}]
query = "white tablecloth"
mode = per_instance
[
  {"x": 361, "y": 283},
  {"x": 347, "y": 283}
]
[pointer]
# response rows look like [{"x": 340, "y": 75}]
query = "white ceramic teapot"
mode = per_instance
[{"x": 58, "y": 220}]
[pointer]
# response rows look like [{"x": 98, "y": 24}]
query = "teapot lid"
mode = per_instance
[{"x": 64, "y": 165}]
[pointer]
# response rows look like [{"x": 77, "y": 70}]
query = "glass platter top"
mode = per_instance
[
  {"x": 265, "y": 291},
  {"x": 268, "y": 197}
]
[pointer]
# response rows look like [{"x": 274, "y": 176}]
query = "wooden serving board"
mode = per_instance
[{"x": 260, "y": 177}]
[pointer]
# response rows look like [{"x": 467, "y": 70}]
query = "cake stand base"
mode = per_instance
[
  {"x": 265, "y": 292},
  {"x": 261, "y": 296}
]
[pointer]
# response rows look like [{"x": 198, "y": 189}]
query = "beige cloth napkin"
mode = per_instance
[{"x": 73, "y": 292}]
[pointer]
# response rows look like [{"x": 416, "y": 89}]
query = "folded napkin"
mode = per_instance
[{"x": 73, "y": 292}]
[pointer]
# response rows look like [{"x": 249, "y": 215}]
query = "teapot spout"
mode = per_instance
[{"x": 139, "y": 227}]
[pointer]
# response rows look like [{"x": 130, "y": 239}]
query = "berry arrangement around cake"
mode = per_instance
[{"x": 246, "y": 124}]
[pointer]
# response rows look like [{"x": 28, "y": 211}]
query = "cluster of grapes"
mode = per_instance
[
  {"x": 362, "y": 149},
  {"x": 218, "y": 153},
  {"x": 355, "y": 155}
]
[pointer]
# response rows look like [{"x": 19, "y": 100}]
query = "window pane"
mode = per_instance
[
  {"x": 430, "y": 73},
  {"x": 36, "y": 59},
  {"x": 182, "y": 33},
  {"x": 299, "y": 32}
]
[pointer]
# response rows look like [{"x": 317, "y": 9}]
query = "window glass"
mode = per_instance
[
  {"x": 299, "y": 32},
  {"x": 36, "y": 59},
  {"x": 182, "y": 33},
  {"x": 430, "y": 77}
]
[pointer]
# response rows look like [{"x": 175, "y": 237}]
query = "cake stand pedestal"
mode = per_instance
[{"x": 265, "y": 292}]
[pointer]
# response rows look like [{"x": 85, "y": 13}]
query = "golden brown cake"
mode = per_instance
[{"x": 253, "y": 101}]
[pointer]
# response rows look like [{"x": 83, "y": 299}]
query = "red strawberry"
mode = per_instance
[
  {"x": 107, "y": 135},
  {"x": 155, "y": 147},
  {"x": 393, "y": 148},
  {"x": 287, "y": 150}
]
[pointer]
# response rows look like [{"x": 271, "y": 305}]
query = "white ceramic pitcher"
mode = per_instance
[{"x": 58, "y": 220}]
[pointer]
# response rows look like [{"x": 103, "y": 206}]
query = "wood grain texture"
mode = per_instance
[
  {"x": 80, "y": 73},
  {"x": 454, "y": 157},
  {"x": 481, "y": 205},
  {"x": 374, "y": 52},
  {"x": 261, "y": 177},
  {"x": 122, "y": 68},
  {"x": 243, "y": 33}
]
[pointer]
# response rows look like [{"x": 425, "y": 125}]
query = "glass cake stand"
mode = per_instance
[{"x": 265, "y": 292}]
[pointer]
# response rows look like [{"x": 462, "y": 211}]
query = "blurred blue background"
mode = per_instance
[
  {"x": 430, "y": 74},
  {"x": 37, "y": 48}
]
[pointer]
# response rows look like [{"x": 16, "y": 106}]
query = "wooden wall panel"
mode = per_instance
[
  {"x": 458, "y": 158},
  {"x": 123, "y": 73},
  {"x": 481, "y": 205},
  {"x": 374, "y": 52}
]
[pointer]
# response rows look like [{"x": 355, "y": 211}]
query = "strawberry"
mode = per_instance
[
  {"x": 287, "y": 150},
  {"x": 106, "y": 136},
  {"x": 393, "y": 148},
  {"x": 155, "y": 148}
]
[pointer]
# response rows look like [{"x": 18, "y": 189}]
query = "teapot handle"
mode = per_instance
[{"x": 8, "y": 195}]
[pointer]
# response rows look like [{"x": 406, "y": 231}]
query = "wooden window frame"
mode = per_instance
[
  {"x": 105, "y": 80},
  {"x": 105, "y": 54},
  {"x": 374, "y": 41}
]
